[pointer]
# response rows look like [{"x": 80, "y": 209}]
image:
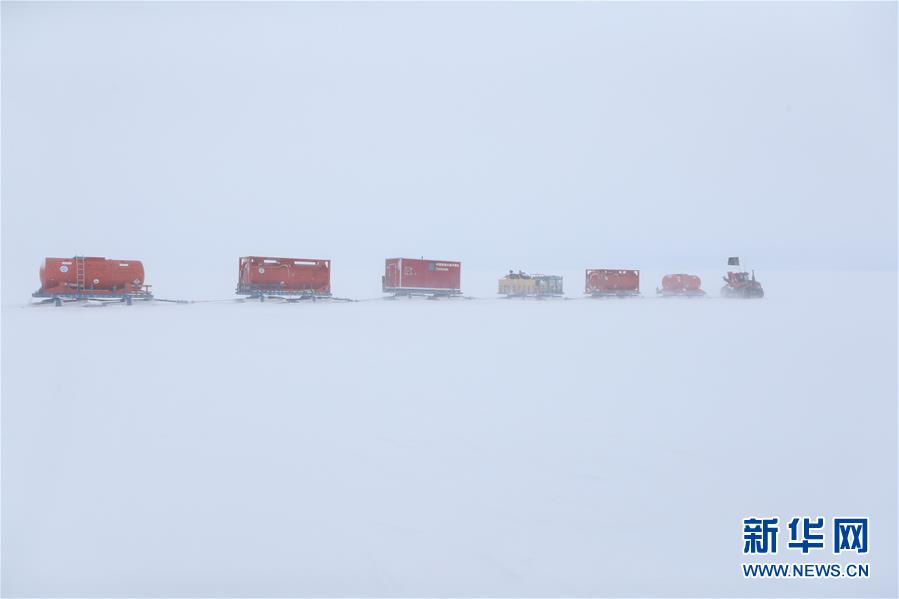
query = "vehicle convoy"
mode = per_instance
[
  {"x": 521, "y": 284},
  {"x": 411, "y": 276},
  {"x": 292, "y": 278},
  {"x": 741, "y": 285},
  {"x": 680, "y": 285},
  {"x": 91, "y": 277},
  {"x": 606, "y": 282}
]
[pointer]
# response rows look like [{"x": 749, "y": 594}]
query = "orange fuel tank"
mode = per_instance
[
  {"x": 291, "y": 276},
  {"x": 91, "y": 275},
  {"x": 681, "y": 283}
]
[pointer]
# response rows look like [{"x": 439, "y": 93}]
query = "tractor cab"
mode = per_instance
[{"x": 737, "y": 278}]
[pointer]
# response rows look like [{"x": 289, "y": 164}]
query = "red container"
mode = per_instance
[
  {"x": 405, "y": 276},
  {"x": 90, "y": 275},
  {"x": 605, "y": 281},
  {"x": 681, "y": 284},
  {"x": 264, "y": 274}
]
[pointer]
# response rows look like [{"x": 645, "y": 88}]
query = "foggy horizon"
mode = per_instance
[{"x": 642, "y": 136}]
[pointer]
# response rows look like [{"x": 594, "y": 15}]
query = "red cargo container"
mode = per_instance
[
  {"x": 91, "y": 276},
  {"x": 681, "y": 284},
  {"x": 409, "y": 276},
  {"x": 261, "y": 275},
  {"x": 617, "y": 282}
]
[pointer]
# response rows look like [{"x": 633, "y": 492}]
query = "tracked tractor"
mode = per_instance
[{"x": 741, "y": 285}]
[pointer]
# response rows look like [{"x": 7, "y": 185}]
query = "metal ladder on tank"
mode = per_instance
[{"x": 79, "y": 274}]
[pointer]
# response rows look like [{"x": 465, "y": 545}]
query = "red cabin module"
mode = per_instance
[
  {"x": 689, "y": 285},
  {"x": 90, "y": 276},
  {"x": 612, "y": 282},
  {"x": 263, "y": 275},
  {"x": 411, "y": 276}
]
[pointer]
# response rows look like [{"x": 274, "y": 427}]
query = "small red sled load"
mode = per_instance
[
  {"x": 606, "y": 282},
  {"x": 292, "y": 278},
  {"x": 741, "y": 285},
  {"x": 411, "y": 276},
  {"x": 681, "y": 285},
  {"x": 92, "y": 277}
]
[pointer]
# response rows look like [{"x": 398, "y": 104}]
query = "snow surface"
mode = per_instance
[{"x": 446, "y": 448}]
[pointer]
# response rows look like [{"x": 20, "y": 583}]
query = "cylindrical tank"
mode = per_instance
[
  {"x": 681, "y": 282},
  {"x": 289, "y": 275},
  {"x": 71, "y": 275}
]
